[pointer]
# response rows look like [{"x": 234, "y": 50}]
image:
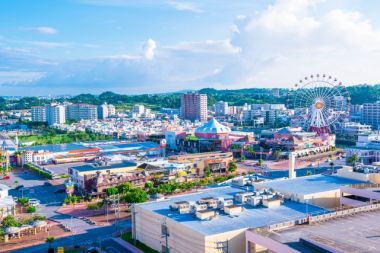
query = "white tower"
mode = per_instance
[{"x": 292, "y": 165}]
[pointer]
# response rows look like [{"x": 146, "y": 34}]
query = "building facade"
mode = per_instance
[
  {"x": 371, "y": 114},
  {"x": 81, "y": 112},
  {"x": 55, "y": 114},
  {"x": 38, "y": 114},
  {"x": 194, "y": 106}
]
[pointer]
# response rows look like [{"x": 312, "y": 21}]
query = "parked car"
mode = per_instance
[
  {"x": 6, "y": 177},
  {"x": 34, "y": 202},
  {"x": 19, "y": 187},
  {"x": 15, "y": 199}
]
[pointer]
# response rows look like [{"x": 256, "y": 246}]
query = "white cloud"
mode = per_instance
[
  {"x": 272, "y": 48},
  {"x": 185, "y": 6},
  {"x": 149, "y": 49},
  {"x": 43, "y": 29}
]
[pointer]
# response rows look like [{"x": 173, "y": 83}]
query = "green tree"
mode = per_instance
[
  {"x": 353, "y": 159},
  {"x": 260, "y": 162},
  {"x": 232, "y": 167},
  {"x": 112, "y": 191},
  {"x": 124, "y": 187},
  {"x": 136, "y": 195},
  {"x": 31, "y": 209},
  {"x": 207, "y": 171},
  {"x": 50, "y": 240},
  {"x": 9, "y": 221},
  {"x": 242, "y": 158},
  {"x": 277, "y": 154},
  {"x": 309, "y": 173}
]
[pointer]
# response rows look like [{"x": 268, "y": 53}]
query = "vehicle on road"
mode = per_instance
[
  {"x": 34, "y": 202},
  {"x": 6, "y": 177},
  {"x": 19, "y": 187}
]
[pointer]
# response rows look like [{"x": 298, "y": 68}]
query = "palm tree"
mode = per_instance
[
  {"x": 18, "y": 155},
  {"x": 50, "y": 240}
]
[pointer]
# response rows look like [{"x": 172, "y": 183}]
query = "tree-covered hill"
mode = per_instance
[{"x": 359, "y": 94}]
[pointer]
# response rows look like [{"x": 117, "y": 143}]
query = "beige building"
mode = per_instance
[{"x": 208, "y": 221}]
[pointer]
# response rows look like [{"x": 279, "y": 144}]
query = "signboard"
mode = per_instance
[{"x": 60, "y": 250}]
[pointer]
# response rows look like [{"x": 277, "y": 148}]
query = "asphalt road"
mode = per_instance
[
  {"x": 83, "y": 233},
  {"x": 98, "y": 235}
]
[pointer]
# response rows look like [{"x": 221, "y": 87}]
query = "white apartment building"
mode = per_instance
[
  {"x": 37, "y": 157},
  {"x": 371, "y": 114},
  {"x": 138, "y": 109},
  {"x": 221, "y": 108},
  {"x": 38, "y": 113},
  {"x": 55, "y": 114},
  {"x": 103, "y": 111},
  {"x": 81, "y": 112}
]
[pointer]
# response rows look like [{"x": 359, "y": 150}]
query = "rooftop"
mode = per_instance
[
  {"x": 93, "y": 166},
  {"x": 57, "y": 148},
  {"x": 356, "y": 233},
  {"x": 308, "y": 184},
  {"x": 251, "y": 217}
]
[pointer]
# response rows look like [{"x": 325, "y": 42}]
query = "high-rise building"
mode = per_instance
[
  {"x": 55, "y": 114},
  {"x": 194, "y": 106},
  {"x": 221, "y": 108},
  {"x": 81, "y": 112},
  {"x": 103, "y": 111},
  {"x": 138, "y": 109},
  {"x": 371, "y": 114},
  {"x": 38, "y": 114},
  {"x": 111, "y": 110}
]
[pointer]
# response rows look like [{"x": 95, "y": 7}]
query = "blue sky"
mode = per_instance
[{"x": 131, "y": 46}]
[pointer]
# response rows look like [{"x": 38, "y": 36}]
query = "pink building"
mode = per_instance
[{"x": 194, "y": 106}]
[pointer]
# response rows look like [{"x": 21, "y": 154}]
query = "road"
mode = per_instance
[
  {"x": 96, "y": 235},
  {"x": 83, "y": 232}
]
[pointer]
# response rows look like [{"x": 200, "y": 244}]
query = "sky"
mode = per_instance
[{"x": 153, "y": 46}]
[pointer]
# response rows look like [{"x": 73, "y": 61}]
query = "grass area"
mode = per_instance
[
  {"x": 128, "y": 238},
  {"x": 52, "y": 138}
]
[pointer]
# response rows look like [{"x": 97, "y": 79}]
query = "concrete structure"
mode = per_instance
[
  {"x": 106, "y": 110},
  {"x": 81, "y": 112},
  {"x": 317, "y": 190},
  {"x": 103, "y": 111},
  {"x": 367, "y": 148},
  {"x": 218, "y": 162},
  {"x": 55, "y": 114},
  {"x": 38, "y": 113},
  {"x": 221, "y": 108},
  {"x": 349, "y": 231},
  {"x": 194, "y": 106},
  {"x": 371, "y": 114},
  {"x": 81, "y": 174},
  {"x": 7, "y": 204},
  {"x": 200, "y": 228}
]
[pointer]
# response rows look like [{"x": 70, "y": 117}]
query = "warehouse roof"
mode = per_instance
[
  {"x": 251, "y": 217},
  {"x": 308, "y": 184}
]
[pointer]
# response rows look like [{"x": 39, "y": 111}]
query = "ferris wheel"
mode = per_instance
[{"x": 321, "y": 102}]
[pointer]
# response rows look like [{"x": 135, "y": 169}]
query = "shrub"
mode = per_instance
[
  {"x": 31, "y": 209},
  {"x": 23, "y": 201}
]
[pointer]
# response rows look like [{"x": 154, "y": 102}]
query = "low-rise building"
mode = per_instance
[
  {"x": 7, "y": 204},
  {"x": 81, "y": 175}
]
